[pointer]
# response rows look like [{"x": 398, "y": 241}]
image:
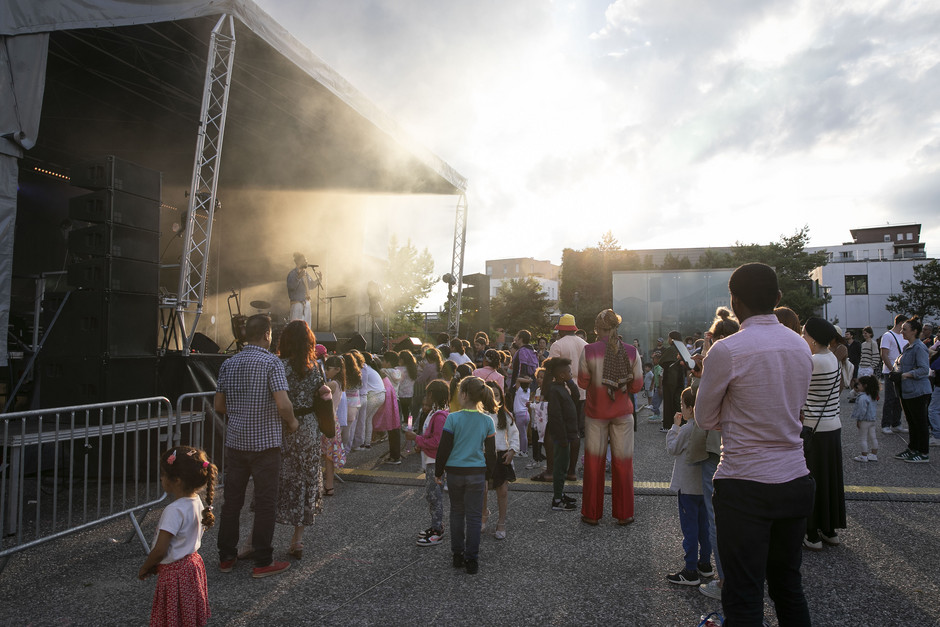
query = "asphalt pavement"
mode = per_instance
[{"x": 361, "y": 565}]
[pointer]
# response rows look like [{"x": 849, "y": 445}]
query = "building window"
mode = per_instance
[
  {"x": 900, "y": 236},
  {"x": 489, "y": 270},
  {"x": 856, "y": 284},
  {"x": 846, "y": 255},
  {"x": 910, "y": 237},
  {"x": 887, "y": 238}
]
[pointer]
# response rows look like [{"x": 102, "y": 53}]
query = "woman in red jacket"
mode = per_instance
[{"x": 610, "y": 371}]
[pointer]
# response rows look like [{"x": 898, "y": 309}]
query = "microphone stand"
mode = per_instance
[{"x": 319, "y": 285}]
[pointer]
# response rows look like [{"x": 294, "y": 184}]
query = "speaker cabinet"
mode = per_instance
[
  {"x": 96, "y": 323},
  {"x": 115, "y": 207},
  {"x": 117, "y": 241},
  {"x": 68, "y": 380},
  {"x": 108, "y": 273},
  {"x": 118, "y": 174}
]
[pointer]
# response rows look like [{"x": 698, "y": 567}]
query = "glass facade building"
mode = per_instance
[{"x": 653, "y": 303}]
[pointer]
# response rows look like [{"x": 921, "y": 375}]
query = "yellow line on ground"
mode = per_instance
[{"x": 653, "y": 485}]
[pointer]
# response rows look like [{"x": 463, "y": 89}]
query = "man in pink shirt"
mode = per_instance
[{"x": 752, "y": 388}]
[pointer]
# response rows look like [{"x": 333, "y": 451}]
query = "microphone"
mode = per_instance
[{"x": 311, "y": 265}]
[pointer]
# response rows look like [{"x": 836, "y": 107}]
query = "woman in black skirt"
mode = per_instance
[{"x": 822, "y": 437}]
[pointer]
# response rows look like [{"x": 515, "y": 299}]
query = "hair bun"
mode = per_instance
[{"x": 723, "y": 313}]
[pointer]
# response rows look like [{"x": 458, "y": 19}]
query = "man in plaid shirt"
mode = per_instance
[{"x": 253, "y": 392}]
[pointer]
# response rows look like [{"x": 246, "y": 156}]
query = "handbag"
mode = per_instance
[{"x": 326, "y": 418}]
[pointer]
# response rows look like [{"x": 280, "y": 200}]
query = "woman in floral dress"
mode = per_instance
[{"x": 301, "y": 482}]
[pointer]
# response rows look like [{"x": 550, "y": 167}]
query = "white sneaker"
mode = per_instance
[
  {"x": 861, "y": 458},
  {"x": 812, "y": 546},
  {"x": 900, "y": 429},
  {"x": 934, "y": 441},
  {"x": 872, "y": 457},
  {"x": 832, "y": 540},
  {"x": 711, "y": 589},
  {"x": 887, "y": 430}
]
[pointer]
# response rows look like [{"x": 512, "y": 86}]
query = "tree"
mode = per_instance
[
  {"x": 608, "y": 242},
  {"x": 410, "y": 278},
  {"x": 793, "y": 265},
  {"x": 921, "y": 296},
  {"x": 671, "y": 262},
  {"x": 521, "y": 304},
  {"x": 714, "y": 259}
]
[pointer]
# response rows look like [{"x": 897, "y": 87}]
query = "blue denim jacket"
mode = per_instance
[{"x": 914, "y": 360}]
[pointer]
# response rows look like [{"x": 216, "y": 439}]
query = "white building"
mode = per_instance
[
  {"x": 861, "y": 274},
  {"x": 545, "y": 272}
]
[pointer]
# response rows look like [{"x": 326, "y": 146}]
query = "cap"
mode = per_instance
[
  {"x": 566, "y": 323},
  {"x": 320, "y": 350}
]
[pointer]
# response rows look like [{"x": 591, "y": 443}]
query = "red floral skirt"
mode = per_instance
[{"x": 182, "y": 596}]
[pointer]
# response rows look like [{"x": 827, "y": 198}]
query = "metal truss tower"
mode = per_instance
[
  {"x": 456, "y": 264},
  {"x": 202, "y": 193}
]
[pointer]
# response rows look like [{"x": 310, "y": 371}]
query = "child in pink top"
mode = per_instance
[{"x": 436, "y": 400}]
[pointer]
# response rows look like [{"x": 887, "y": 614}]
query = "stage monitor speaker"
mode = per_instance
[
  {"x": 69, "y": 380},
  {"x": 109, "y": 273},
  {"x": 412, "y": 344},
  {"x": 327, "y": 339},
  {"x": 123, "y": 242},
  {"x": 356, "y": 342},
  {"x": 97, "y": 323},
  {"x": 203, "y": 344},
  {"x": 111, "y": 172},
  {"x": 114, "y": 207}
]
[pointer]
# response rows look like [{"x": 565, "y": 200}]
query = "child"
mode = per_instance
[
  {"x": 562, "y": 425},
  {"x": 538, "y": 419},
  {"x": 867, "y": 389},
  {"x": 648, "y": 384},
  {"x": 507, "y": 447},
  {"x": 467, "y": 449},
  {"x": 435, "y": 403},
  {"x": 520, "y": 412},
  {"x": 657, "y": 389},
  {"x": 181, "y": 597},
  {"x": 687, "y": 483}
]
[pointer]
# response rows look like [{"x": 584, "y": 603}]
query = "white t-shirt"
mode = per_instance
[
  {"x": 183, "y": 519},
  {"x": 894, "y": 347},
  {"x": 458, "y": 359}
]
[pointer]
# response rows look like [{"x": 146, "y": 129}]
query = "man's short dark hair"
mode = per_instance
[
  {"x": 257, "y": 327},
  {"x": 525, "y": 336},
  {"x": 755, "y": 285},
  {"x": 900, "y": 319}
]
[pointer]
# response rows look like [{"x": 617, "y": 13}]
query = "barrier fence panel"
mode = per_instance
[
  {"x": 199, "y": 425},
  {"x": 69, "y": 468}
]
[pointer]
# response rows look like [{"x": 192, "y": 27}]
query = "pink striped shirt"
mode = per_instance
[{"x": 753, "y": 386}]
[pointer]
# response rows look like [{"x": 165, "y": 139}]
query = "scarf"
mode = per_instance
[{"x": 618, "y": 372}]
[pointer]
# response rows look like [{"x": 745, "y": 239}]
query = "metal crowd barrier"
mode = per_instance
[
  {"x": 67, "y": 469},
  {"x": 202, "y": 427}
]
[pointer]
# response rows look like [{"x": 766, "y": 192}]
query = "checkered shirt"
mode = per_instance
[{"x": 249, "y": 380}]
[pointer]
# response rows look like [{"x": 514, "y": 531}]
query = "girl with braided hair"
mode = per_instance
[{"x": 181, "y": 596}]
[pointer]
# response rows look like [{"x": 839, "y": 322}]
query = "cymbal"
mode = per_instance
[{"x": 260, "y": 304}]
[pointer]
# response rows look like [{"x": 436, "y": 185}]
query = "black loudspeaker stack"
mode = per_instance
[{"x": 103, "y": 347}]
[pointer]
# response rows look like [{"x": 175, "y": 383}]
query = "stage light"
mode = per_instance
[{"x": 48, "y": 172}]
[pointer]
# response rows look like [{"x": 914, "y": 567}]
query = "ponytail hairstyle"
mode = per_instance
[
  {"x": 434, "y": 356},
  {"x": 439, "y": 393},
  {"x": 462, "y": 371},
  {"x": 353, "y": 371},
  {"x": 915, "y": 324},
  {"x": 503, "y": 417},
  {"x": 358, "y": 357},
  {"x": 448, "y": 370},
  {"x": 195, "y": 472},
  {"x": 871, "y": 386},
  {"x": 547, "y": 376},
  {"x": 336, "y": 361},
  {"x": 492, "y": 358},
  {"x": 479, "y": 394}
]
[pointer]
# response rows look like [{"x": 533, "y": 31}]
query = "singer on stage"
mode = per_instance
[{"x": 299, "y": 284}]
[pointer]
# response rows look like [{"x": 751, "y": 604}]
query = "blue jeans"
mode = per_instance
[
  {"x": 657, "y": 401},
  {"x": 466, "y": 513},
  {"x": 933, "y": 413},
  {"x": 435, "y": 498},
  {"x": 709, "y": 466},
  {"x": 264, "y": 467},
  {"x": 693, "y": 520}
]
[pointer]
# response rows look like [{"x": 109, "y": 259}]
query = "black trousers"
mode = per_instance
[
  {"x": 760, "y": 536},
  {"x": 264, "y": 467},
  {"x": 916, "y": 411}
]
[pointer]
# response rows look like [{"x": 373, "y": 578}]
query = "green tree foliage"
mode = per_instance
[
  {"x": 586, "y": 286},
  {"x": 409, "y": 280},
  {"x": 793, "y": 265},
  {"x": 671, "y": 262},
  {"x": 920, "y": 296},
  {"x": 521, "y": 304},
  {"x": 608, "y": 242},
  {"x": 714, "y": 259}
]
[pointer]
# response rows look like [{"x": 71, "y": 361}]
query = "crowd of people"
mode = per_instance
[{"x": 752, "y": 491}]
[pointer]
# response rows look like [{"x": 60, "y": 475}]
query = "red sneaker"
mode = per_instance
[
  {"x": 228, "y": 565},
  {"x": 274, "y": 568}
]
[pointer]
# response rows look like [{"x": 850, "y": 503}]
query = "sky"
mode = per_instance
[{"x": 671, "y": 124}]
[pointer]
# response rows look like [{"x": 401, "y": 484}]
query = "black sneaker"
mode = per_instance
[
  {"x": 561, "y": 505},
  {"x": 684, "y": 578},
  {"x": 426, "y": 532},
  {"x": 472, "y": 567},
  {"x": 904, "y": 455},
  {"x": 705, "y": 569},
  {"x": 458, "y": 560},
  {"x": 432, "y": 539},
  {"x": 917, "y": 458},
  {"x": 568, "y": 499}
]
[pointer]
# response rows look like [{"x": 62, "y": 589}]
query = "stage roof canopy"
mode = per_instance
[{"x": 126, "y": 78}]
